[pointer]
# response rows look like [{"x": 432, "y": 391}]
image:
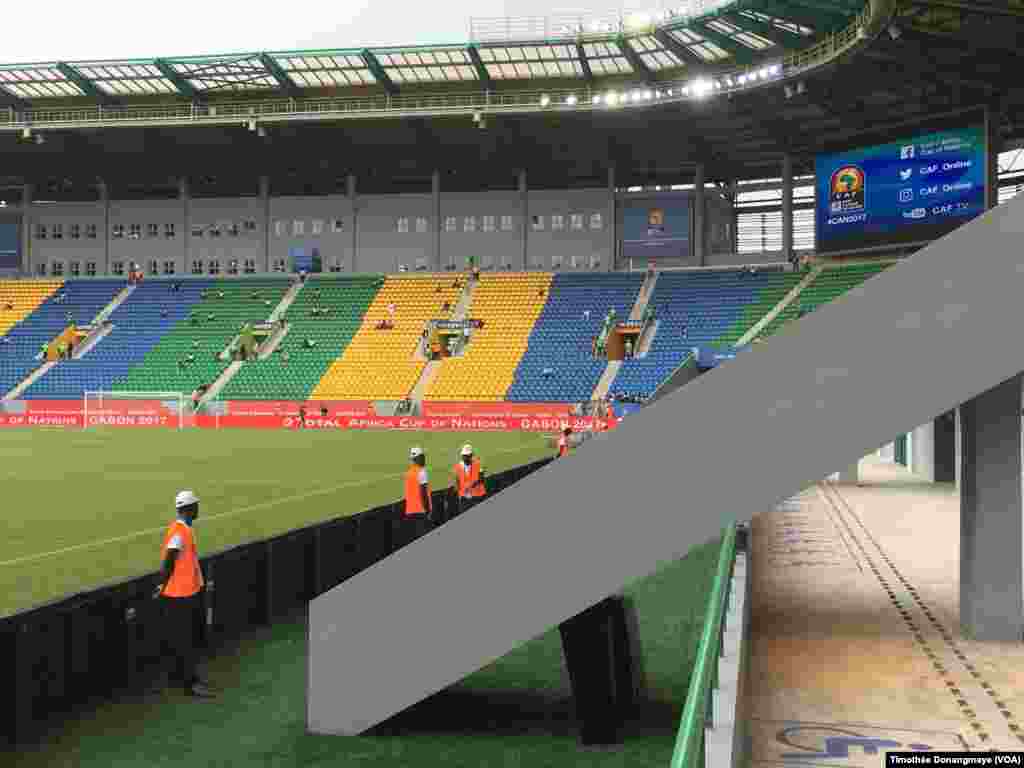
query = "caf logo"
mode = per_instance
[{"x": 846, "y": 190}]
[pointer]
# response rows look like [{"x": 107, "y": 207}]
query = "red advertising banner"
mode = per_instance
[
  {"x": 497, "y": 410},
  {"x": 405, "y": 423},
  {"x": 349, "y": 408}
]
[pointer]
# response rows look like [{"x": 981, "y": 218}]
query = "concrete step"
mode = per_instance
[
  {"x": 430, "y": 372},
  {"x": 29, "y": 380},
  {"x": 286, "y": 301},
  {"x": 97, "y": 333},
  {"x": 273, "y": 342},
  {"x": 788, "y": 299},
  {"x": 637, "y": 313},
  {"x": 221, "y": 382}
]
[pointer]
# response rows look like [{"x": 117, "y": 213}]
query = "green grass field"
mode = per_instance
[{"x": 88, "y": 508}]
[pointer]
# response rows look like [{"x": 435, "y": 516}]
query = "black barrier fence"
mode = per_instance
[{"x": 56, "y": 658}]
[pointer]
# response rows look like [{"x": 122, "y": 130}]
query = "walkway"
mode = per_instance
[{"x": 855, "y": 642}]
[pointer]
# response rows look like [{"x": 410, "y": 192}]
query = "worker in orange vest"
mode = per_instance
[
  {"x": 181, "y": 584},
  {"x": 563, "y": 442},
  {"x": 418, "y": 506},
  {"x": 469, "y": 480}
]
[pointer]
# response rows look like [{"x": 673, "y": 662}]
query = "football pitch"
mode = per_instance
[{"x": 86, "y": 508}]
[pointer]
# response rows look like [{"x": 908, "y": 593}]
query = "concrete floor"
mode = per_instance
[{"x": 855, "y": 642}]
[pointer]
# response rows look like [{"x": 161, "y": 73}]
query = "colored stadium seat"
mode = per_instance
[
  {"x": 347, "y": 299},
  {"x": 380, "y": 364},
  {"x": 509, "y": 305},
  {"x": 561, "y": 338}
]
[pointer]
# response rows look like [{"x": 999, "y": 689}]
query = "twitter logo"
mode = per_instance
[{"x": 906, "y": 173}]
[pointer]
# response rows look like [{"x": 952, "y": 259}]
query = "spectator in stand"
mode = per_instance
[
  {"x": 629, "y": 348},
  {"x": 71, "y": 348},
  {"x": 302, "y": 275}
]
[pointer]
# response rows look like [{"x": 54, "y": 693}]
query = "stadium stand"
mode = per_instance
[
  {"x": 380, "y": 364},
  {"x": 211, "y": 324},
  {"x": 83, "y": 299},
  {"x": 23, "y": 296},
  {"x": 692, "y": 309},
  {"x": 138, "y": 326},
  {"x": 295, "y": 377},
  {"x": 559, "y": 365},
  {"x": 829, "y": 285},
  {"x": 778, "y": 285},
  {"x": 508, "y": 305}
]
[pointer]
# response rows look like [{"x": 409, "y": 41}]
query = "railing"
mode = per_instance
[
  {"x": 579, "y": 99},
  {"x": 698, "y": 713}
]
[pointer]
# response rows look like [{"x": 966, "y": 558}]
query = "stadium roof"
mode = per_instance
[{"x": 708, "y": 35}]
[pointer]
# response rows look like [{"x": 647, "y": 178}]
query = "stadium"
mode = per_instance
[{"x": 722, "y": 297}]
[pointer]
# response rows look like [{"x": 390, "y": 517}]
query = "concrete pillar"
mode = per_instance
[
  {"x": 611, "y": 218},
  {"x": 958, "y": 446},
  {"x": 787, "y": 207},
  {"x": 888, "y": 452},
  {"x": 26, "y": 229},
  {"x": 435, "y": 218},
  {"x": 524, "y": 207},
  {"x": 945, "y": 457},
  {"x": 265, "y": 204},
  {"x": 991, "y": 530},
  {"x": 922, "y": 452},
  {"x": 350, "y": 190},
  {"x": 186, "y": 244},
  {"x": 104, "y": 190},
  {"x": 698, "y": 216},
  {"x": 734, "y": 191}
]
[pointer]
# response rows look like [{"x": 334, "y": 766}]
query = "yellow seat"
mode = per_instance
[{"x": 26, "y": 296}]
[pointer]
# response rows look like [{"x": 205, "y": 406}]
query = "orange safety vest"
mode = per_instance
[
  {"x": 187, "y": 577},
  {"x": 467, "y": 480},
  {"x": 563, "y": 446},
  {"x": 413, "y": 500}
]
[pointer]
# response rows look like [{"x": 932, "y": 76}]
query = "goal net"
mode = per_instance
[{"x": 137, "y": 409}]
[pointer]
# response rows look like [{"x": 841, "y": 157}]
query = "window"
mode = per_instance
[
  {"x": 506, "y": 223},
  {"x": 117, "y": 267},
  {"x": 537, "y": 223},
  {"x": 214, "y": 230},
  {"x": 278, "y": 229},
  {"x": 250, "y": 225},
  {"x": 488, "y": 224},
  {"x": 233, "y": 267},
  {"x": 451, "y": 224},
  {"x": 403, "y": 224},
  {"x": 576, "y": 221},
  {"x": 197, "y": 267},
  {"x": 134, "y": 231},
  {"x": 318, "y": 227},
  {"x": 90, "y": 232},
  {"x": 152, "y": 230},
  {"x": 58, "y": 231},
  {"x": 197, "y": 230},
  {"x": 168, "y": 231},
  {"x": 298, "y": 228},
  {"x": 90, "y": 269},
  {"x": 154, "y": 267},
  {"x": 279, "y": 265},
  {"x": 338, "y": 266},
  {"x": 41, "y": 235},
  {"x": 117, "y": 232},
  {"x": 557, "y": 221},
  {"x": 213, "y": 267},
  {"x": 469, "y": 224},
  {"x": 57, "y": 270},
  {"x": 338, "y": 225},
  {"x": 556, "y": 260},
  {"x": 234, "y": 229},
  {"x": 41, "y": 270},
  {"x": 421, "y": 224},
  {"x": 75, "y": 231},
  {"x": 250, "y": 266},
  {"x": 75, "y": 268},
  {"x": 595, "y": 221},
  {"x": 169, "y": 267}
]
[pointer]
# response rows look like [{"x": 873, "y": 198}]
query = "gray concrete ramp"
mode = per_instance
[{"x": 897, "y": 351}]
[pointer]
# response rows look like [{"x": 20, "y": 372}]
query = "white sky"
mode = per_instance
[{"x": 77, "y": 30}]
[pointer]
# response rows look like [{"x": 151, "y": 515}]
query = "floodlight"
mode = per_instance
[
  {"x": 648, "y": 95},
  {"x": 610, "y": 98},
  {"x": 700, "y": 88},
  {"x": 545, "y": 100},
  {"x": 571, "y": 100},
  {"x": 742, "y": 79},
  {"x": 26, "y": 133},
  {"x": 774, "y": 69},
  {"x": 595, "y": 100}
]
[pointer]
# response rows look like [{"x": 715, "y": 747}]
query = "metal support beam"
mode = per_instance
[
  {"x": 588, "y": 73},
  {"x": 819, "y": 21},
  {"x": 85, "y": 84},
  {"x": 481, "y": 69},
  {"x": 635, "y": 61},
  {"x": 185, "y": 88},
  {"x": 8, "y": 99},
  {"x": 680, "y": 50},
  {"x": 289, "y": 87},
  {"x": 378, "y": 71}
]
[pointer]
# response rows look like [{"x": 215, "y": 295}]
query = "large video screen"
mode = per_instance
[
  {"x": 906, "y": 191},
  {"x": 656, "y": 228}
]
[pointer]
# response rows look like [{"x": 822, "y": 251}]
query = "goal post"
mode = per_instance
[{"x": 143, "y": 409}]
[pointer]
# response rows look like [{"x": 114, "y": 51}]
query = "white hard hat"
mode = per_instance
[
  {"x": 415, "y": 453},
  {"x": 467, "y": 450},
  {"x": 184, "y": 499}
]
